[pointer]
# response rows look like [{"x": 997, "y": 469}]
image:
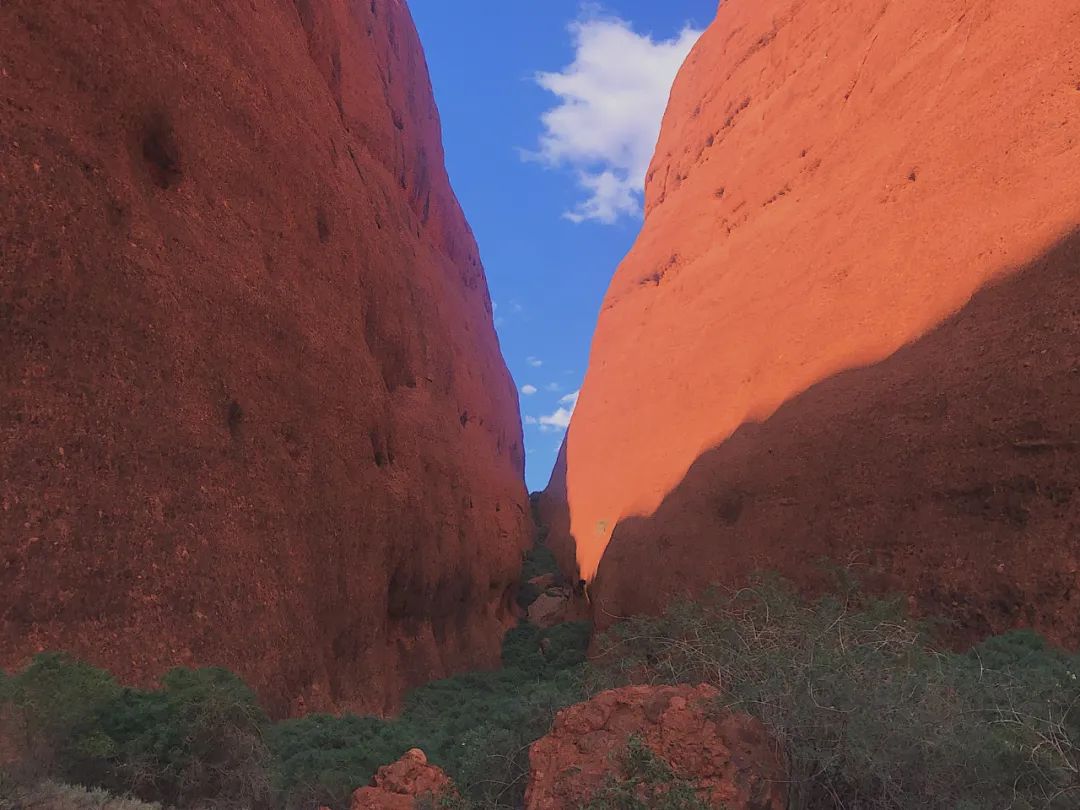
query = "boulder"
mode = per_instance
[
  {"x": 400, "y": 785},
  {"x": 728, "y": 757},
  {"x": 543, "y": 582},
  {"x": 552, "y": 607}
]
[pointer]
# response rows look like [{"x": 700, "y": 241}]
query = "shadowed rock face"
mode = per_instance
[
  {"x": 948, "y": 473},
  {"x": 252, "y": 407},
  {"x": 831, "y": 184}
]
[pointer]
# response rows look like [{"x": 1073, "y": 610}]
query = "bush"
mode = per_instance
[
  {"x": 197, "y": 738},
  {"x": 537, "y": 562},
  {"x": 869, "y": 714},
  {"x": 56, "y": 796},
  {"x": 321, "y": 760},
  {"x": 53, "y": 715},
  {"x": 201, "y": 739},
  {"x": 477, "y": 726},
  {"x": 544, "y": 653}
]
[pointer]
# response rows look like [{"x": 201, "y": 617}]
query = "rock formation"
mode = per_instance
[
  {"x": 850, "y": 327},
  {"x": 252, "y": 407},
  {"x": 401, "y": 785},
  {"x": 727, "y": 757}
]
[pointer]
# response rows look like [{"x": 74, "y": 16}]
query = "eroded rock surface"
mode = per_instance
[
  {"x": 252, "y": 407},
  {"x": 400, "y": 785},
  {"x": 728, "y": 757},
  {"x": 831, "y": 186}
]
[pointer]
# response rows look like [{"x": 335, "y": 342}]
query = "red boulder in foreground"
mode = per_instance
[
  {"x": 849, "y": 327},
  {"x": 728, "y": 757},
  {"x": 253, "y": 411},
  {"x": 398, "y": 786}
]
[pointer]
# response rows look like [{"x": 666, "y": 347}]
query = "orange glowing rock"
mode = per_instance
[{"x": 831, "y": 184}]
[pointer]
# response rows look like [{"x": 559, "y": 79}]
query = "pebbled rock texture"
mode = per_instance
[
  {"x": 402, "y": 785},
  {"x": 253, "y": 411},
  {"x": 727, "y": 756},
  {"x": 790, "y": 363}
]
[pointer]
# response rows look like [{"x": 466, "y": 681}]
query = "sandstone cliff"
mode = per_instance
[
  {"x": 790, "y": 363},
  {"x": 252, "y": 407}
]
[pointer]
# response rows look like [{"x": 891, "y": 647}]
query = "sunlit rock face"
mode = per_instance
[
  {"x": 833, "y": 182},
  {"x": 252, "y": 407}
]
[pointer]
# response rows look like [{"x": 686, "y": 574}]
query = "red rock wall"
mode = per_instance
[
  {"x": 833, "y": 181},
  {"x": 252, "y": 408}
]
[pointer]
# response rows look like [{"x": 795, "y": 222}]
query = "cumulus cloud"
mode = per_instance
[
  {"x": 611, "y": 101},
  {"x": 560, "y": 419},
  {"x": 528, "y": 390},
  {"x": 554, "y": 387},
  {"x": 535, "y": 362}
]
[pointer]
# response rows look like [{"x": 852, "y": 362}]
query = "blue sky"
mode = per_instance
[{"x": 550, "y": 110}]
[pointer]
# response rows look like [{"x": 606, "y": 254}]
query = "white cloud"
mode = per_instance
[
  {"x": 553, "y": 387},
  {"x": 611, "y": 101},
  {"x": 535, "y": 362},
  {"x": 560, "y": 419},
  {"x": 529, "y": 390}
]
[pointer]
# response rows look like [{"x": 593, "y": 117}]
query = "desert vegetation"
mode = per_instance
[
  {"x": 868, "y": 712},
  {"x": 202, "y": 741}
]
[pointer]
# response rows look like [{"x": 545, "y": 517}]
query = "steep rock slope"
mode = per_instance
[
  {"x": 252, "y": 407},
  {"x": 832, "y": 182}
]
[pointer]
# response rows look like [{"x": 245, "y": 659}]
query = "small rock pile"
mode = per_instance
[
  {"x": 728, "y": 757},
  {"x": 399, "y": 786}
]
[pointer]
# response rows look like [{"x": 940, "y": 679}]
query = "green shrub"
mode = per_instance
[
  {"x": 321, "y": 759},
  {"x": 545, "y": 652},
  {"x": 566, "y": 645},
  {"x": 197, "y": 738},
  {"x": 55, "y": 796},
  {"x": 53, "y": 714},
  {"x": 538, "y": 561},
  {"x": 870, "y": 715},
  {"x": 477, "y": 726},
  {"x": 1029, "y": 693}
]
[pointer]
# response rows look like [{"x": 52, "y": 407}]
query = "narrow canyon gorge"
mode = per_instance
[{"x": 262, "y": 458}]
